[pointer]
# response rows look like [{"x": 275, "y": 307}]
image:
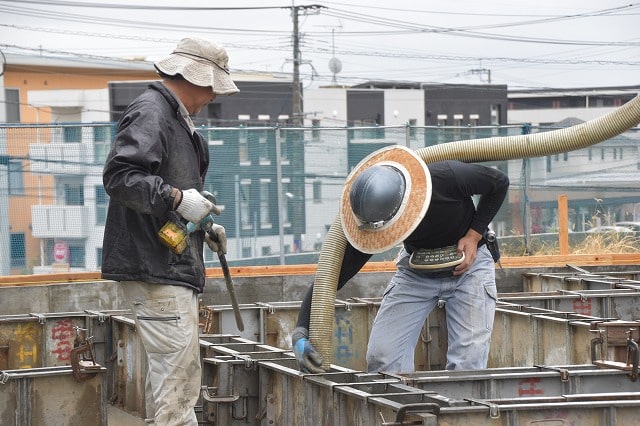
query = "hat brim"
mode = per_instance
[
  {"x": 199, "y": 73},
  {"x": 410, "y": 214}
]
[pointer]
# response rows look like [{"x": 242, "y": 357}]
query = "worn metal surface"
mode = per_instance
[
  {"x": 51, "y": 396},
  {"x": 128, "y": 368},
  {"x": 46, "y": 340},
  {"x": 541, "y": 371}
]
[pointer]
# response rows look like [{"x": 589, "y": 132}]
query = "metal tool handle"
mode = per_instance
[{"x": 229, "y": 283}]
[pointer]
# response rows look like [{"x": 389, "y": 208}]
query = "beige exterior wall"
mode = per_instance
[{"x": 28, "y": 78}]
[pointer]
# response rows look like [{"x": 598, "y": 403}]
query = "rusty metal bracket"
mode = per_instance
[
  {"x": 207, "y": 318},
  {"x": 612, "y": 338},
  {"x": 83, "y": 357}
]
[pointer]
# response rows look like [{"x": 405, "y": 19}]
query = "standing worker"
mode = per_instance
[
  {"x": 155, "y": 174},
  {"x": 393, "y": 197}
]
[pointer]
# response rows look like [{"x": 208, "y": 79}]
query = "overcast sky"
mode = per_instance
[{"x": 539, "y": 44}]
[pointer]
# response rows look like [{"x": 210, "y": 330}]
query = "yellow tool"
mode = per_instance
[{"x": 175, "y": 236}]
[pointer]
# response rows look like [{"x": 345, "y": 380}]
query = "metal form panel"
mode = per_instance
[
  {"x": 46, "y": 340},
  {"x": 522, "y": 382},
  {"x": 525, "y": 336},
  {"x": 230, "y": 393},
  {"x": 128, "y": 368},
  {"x": 253, "y": 376},
  {"x": 614, "y": 303},
  {"x": 550, "y": 282},
  {"x": 561, "y": 395},
  {"x": 52, "y": 396},
  {"x": 273, "y": 323}
]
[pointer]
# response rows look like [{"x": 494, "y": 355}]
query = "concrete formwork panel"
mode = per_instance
[
  {"x": 550, "y": 282},
  {"x": 128, "y": 368},
  {"x": 46, "y": 340},
  {"x": 612, "y": 303},
  {"x": 52, "y": 396}
]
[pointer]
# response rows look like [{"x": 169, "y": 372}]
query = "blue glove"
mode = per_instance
[{"x": 309, "y": 361}]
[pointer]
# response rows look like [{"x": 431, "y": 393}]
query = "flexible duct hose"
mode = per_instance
[{"x": 473, "y": 150}]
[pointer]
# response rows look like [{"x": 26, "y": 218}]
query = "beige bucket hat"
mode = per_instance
[
  {"x": 414, "y": 205},
  {"x": 200, "y": 62}
]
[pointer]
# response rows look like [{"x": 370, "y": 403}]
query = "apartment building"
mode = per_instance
[
  {"x": 279, "y": 187},
  {"x": 80, "y": 92}
]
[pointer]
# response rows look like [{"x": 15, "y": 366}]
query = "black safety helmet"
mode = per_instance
[{"x": 376, "y": 195}]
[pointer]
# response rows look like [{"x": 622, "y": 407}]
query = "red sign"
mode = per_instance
[{"x": 61, "y": 252}]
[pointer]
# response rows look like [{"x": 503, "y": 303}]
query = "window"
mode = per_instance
[
  {"x": 73, "y": 194},
  {"x": 102, "y": 136},
  {"x": 264, "y": 203},
  {"x": 76, "y": 255},
  {"x": 12, "y": 102},
  {"x": 315, "y": 133},
  {"x": 16, "y": 184},
  {"x": 284, "y": 146},
  {"x": 317, "y": 191},
  {"x": 18, "y": 250},
  {"x": 495, "y": 114},
  {"x": 245, "y": 220},
  {"x": 73, "y": 134},
  {"x": 263, "y": 148},
  {"x": 102, "y": 201},
  {"x": 243, "y": 147},
  {"x": 99, "y": 257}
]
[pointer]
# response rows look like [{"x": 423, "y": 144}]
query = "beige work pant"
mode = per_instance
[{"x": 166, "y": 319}]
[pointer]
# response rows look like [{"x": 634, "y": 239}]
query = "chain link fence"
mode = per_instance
[{"x": 279, "y": 190}]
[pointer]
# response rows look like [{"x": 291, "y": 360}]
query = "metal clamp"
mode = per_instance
[
  {"x": 212, "y": 397},
  {"x": 494, "y": 409},
  {"x": 4, "y": 377},
  {"x": 428, "y": 407}
]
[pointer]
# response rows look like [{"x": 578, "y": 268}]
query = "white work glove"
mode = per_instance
[
  {"x": 218, "y": 244},
  {"x": 193, "y": 206},
  {"x": 209, "y": 196}
]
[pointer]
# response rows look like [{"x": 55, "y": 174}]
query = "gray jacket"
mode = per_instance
[{"x": 153, "y": 151}]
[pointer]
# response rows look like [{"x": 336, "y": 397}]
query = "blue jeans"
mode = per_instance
[{"x": 470, "y": 302}]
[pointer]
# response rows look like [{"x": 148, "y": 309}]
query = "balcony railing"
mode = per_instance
[
  {"x": 59, "y": 158},
  {"x": 53, "y": 221}
]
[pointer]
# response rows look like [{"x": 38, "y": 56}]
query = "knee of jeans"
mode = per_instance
[{"x": 378, "y": 357}]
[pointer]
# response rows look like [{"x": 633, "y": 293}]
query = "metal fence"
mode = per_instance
[{"x": 279, "y": 189}]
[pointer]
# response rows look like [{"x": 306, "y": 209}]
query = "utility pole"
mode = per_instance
[
  {"x": 297, "y": 137},
  {"x": 297, "y": 119},
  {"x": 481, "y": 72}
]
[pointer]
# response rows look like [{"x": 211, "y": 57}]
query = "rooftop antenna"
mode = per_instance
[{"x": 335, "y": 66}]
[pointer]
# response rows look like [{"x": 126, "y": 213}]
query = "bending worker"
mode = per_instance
[
  {"x": 154, "y": 174},
  {"x": 393, "y": 197}
]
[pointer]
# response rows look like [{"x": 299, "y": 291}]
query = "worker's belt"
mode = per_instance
[
  {"x": 439, "y": 262},
  {"x": 435, "y": 262}
]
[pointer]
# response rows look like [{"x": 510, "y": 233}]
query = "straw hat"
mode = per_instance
[
  {"x": 412, "y": 203},
  {"x": 200, "y": 62}
]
